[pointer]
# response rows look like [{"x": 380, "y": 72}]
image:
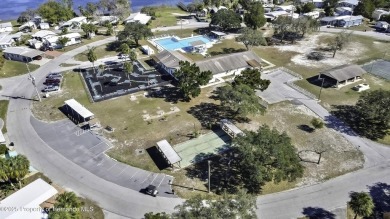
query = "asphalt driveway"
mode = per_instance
[{"x": 88, "y": 151}]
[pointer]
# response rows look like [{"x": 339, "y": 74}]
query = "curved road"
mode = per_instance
[{"x": 129, "y": 203}]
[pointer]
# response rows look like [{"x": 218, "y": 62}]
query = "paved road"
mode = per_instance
[
  {"x": 331, "y": 194},
  {"x": 371, "y": 34}
]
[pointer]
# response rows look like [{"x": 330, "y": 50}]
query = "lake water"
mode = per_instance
[{"x": 12, "y": 8}]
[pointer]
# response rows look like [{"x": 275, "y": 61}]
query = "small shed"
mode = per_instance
[
  {"x": 77, "y": 112},
  {"x": 147, "y": 50},
  {"x": 44, "y": 26},
  {"x": 169, "y": 154},
  {"x": 217, "y": 34},
  {"x": 230, "y": 129},
  {"x": 342, "y": 75}
]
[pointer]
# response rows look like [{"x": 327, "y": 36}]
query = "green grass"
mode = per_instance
[
  {"x": 14, "y": 68},
  {"x": 84, "y": 42},
  {"x": 93, "y": 210},
  {"x": 3, "y": 113},
  {"x": 164, "y": 16},
  {"x": 100, "y": 52}
]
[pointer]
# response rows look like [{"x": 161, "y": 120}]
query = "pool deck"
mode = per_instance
[
  {"x": 195, "y": 150},
  {"x": 178, "y": 43}
]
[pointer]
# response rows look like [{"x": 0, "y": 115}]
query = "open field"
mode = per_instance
[
  {"x": 131, "y": 132},
  {"x": 3, "y": 113},
  {"x": 165, "y": 16},
  {"x": 14, "y": 68}
]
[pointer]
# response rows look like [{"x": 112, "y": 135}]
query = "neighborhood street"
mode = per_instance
[{"x": 124, "y": 202}]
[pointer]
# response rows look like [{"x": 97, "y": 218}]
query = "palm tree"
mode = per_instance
[
  {"x": 66, "y": 200},
  {"x": 20, "y": 168},
  {"x": 92, "y": 57},
  {"x": 128, "y": 67},
  {"x": 132, "y": 55},
  {"x": 5, "y": 171},
  {"x": 361, "y": 203}
]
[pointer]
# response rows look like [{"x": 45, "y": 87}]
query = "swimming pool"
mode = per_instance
[{"x": 172, "y": 43}]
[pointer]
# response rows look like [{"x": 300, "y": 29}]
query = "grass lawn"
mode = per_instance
[
  {"x": 100, "y": 52},
  {"x": 3, "y": 113},
  {"x": 14, "y": 68},
  {"x": 180, "y": 32},
  {"x": 164, "y": 16},
  {"x": 84, "y": 42}
]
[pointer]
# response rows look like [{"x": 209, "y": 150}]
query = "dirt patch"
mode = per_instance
[
  {"x": 321, "y": 40},
  {"x": 339, "y": 157}
]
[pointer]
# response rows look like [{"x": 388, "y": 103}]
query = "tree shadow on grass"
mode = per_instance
[
  {"x": 342, "y": 121},
  {"x": 169, "y": 93},
  {"x": 380, "y": 193},
  {"x": 157, "y": 158},
  {"x": 317, "y": 213},
  {"x": 223, "y": 172},
  {"x": 209, "y": 114}
]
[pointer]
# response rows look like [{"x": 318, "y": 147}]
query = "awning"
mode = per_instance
[
  {"x": 253, "y": 63},
  {"x": 197, "y": 43},
  {"x": 167, "y": 150}
]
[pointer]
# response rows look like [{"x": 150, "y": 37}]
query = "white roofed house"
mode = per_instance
[
  {"x": 26, "y": 201},
  {"x": 138, "y": 17},
  {"x": 77, "y": 112},
  {"x": 377, "y": 14},
  {"x": 28, "y": 26},
  {"x": 52, "y": 41},
  {"x": 6, "y": 27},
  {"x": 341, "y": 11},
  {"x": 37, "y": 39},
  {"x": 44, "y": 26},
  {"x": 8, "y": 40},
  {"x": 74, "y": 23},
  {"x": 342, "y": 21},
  {"x": 102, "y": 19},
  {"x": 273, "y": 15}
]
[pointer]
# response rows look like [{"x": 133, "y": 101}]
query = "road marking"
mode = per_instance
[
  {"x": 111, "y": 167},
  {"x": 80, "y": 132},
  {"x": 95, "y": 145},
  {"x": 134, "y": 174},
  {"x": 154, "y": 178},
  {"x": 161, "y": 180},
  {"x": 122, "y": 171},
  {"x": 146, "y": 178}
]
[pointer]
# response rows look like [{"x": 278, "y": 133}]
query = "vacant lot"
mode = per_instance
[
  {"x": 14, "y": 68},
  {"x": 166, "y": 16}
]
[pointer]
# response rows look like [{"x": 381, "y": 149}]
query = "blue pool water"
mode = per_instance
[{"x": 170, "y": 44}]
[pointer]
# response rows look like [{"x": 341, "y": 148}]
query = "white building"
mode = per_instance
[
  {"x": 348, "y": 3},
  {"x": 26, "y": 201},
  {"x": 287, "y": 8},
  {"x": 147, "y": 50},
  {"x": 313, "y": 14},
  {"x": 52, "y": 41},
  {"x": 28, "y": 26},
  {"x": 44, "y": 26},
  {"x": 138, "y": 17},
  {"x": 101, "y": 19},
  {"x": 6, "y": 27},
  {"x": 273, "y": 15},
  {"x": 377, "y": 14},
  {"x": 74, "y": 23},
  {"x": 8, "y": 40},
  {"x": 39, "y": 37}
]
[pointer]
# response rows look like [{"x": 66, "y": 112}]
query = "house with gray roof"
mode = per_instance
[
  {"x": 342, "y": 21},
  {"x": 22, "y": 54},
  {"x": 230, "y": 64},
  {"x": 169, "y": 60},
  {"x": 6, "y": 27},
  {"x": 8, "y": 40},
  {"x": 342, "y": 75}
]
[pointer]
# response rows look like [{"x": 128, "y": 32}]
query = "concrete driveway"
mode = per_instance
[
  {"x": 87, "y": 150},
  {"x": 278, "y": 91}
]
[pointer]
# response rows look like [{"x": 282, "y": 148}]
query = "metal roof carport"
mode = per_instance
[
  {"x": 168, "y": 152},
  {"x": 82, "y": 113}
]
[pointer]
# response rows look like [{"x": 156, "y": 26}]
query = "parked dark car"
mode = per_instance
[
  {"x": 151, "y": 190},
  {"x": 52, "y": 81},
  {"x": 37, "y": 58}
]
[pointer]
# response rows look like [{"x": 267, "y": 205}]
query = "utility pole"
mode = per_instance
[
  {"x": 322, "y": 85},
  {"x": 30, "y": 77},
  {"x": 209, "y": 161}
]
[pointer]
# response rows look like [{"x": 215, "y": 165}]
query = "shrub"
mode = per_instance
[
  {"x": 3, "y": 149},
  {"x": 317, "y": 123},
  {"x": 315, "y": 56}
]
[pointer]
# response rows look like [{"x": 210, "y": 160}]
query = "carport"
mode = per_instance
[
  {"x": 230, "y": 129},
  {"x": 77, "y": 112},
  {"x": 168, "y": 152}
]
